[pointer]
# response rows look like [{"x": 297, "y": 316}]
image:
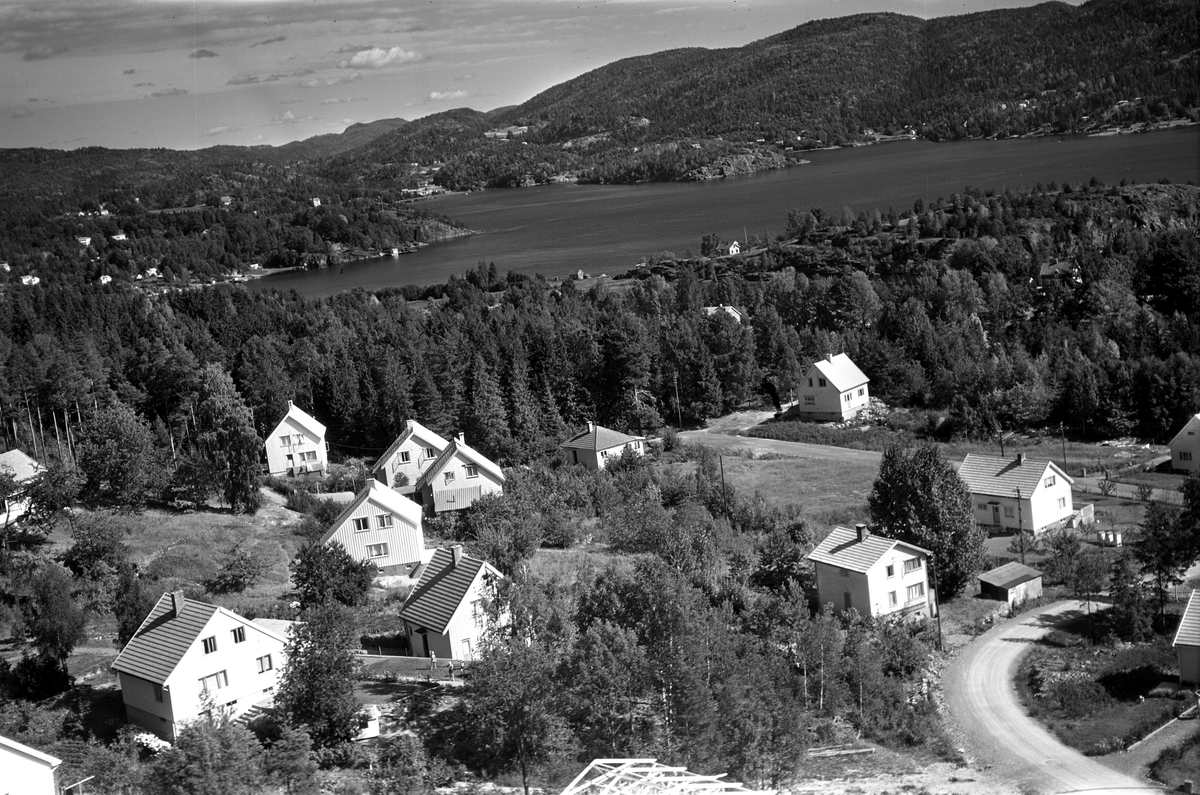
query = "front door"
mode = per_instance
[
  {"x": 846, "y": 599},
  {"x": 996, "y": 515}
]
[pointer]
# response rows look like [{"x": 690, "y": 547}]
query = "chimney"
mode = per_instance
[
  {"x": 591, "y": 427},
  {"x": 177, "y": 601},
  {"x": 861, "y": 531},
  {"x": 455, "y": 555},
  {"x": 290, "y": 404},
  {"x": 829, "y": 357},
  {"x": 461, "y": 438},
  {"x": 1020, "y": 458}
]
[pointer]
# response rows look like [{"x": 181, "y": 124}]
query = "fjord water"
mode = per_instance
[{"x": 559, "y": 229}]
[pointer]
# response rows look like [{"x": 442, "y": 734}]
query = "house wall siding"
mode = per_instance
[
  {"x": 881, "y": 585},
  {"x": 1189, "y": 664},
  {"x": 1187, "y": 444},
  {"x": 406, "y": 541},
  {"x": 1044, "y": 502},
  {"x": 462, "y": 491},
  {"x": 832, "y": 584},
  {"x": 26, "y": 775},
  {"x": 828, "y": 402},
  {"x": 417, "y": 462},
  {"x": 277, "y": 451},
  {"x": 598, "y": 459}
]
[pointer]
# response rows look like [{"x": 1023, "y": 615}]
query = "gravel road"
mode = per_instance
[{"x": 983, "y": 706}]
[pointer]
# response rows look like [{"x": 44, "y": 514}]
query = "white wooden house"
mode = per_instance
[
  {"x": 445, "y": 613},
  {"x": 296, "y": 446},
  {"x": 382, "y": 526},
  {"x": 1185, "y": 447},
  {"x": 833, "y": 390},
  {"x": 732, "y": 311},
  {"x": 1187, "y": 642},
  {"x": 1007, "y": 493},
  {"x": 459, "y": 477},
  {"x": 596, "y": 446},
  {"x": 27, "y": 771},
  {"x": 413, "y": 452},
  {"x": 874, "y": 575},
  {"x": 189, "y": 657},
  {"x": 24, "y": 471}
]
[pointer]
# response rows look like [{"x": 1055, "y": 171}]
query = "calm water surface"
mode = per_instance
[{"x": 558, "y": 229}]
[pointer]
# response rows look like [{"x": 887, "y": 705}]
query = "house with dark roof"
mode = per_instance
[
  {"x": 444, "y": 614},
  {"x": 296, "y": 446},
  {"x": 1012, "y": 493},
  {"x": 833, "y": 390},
  {"x": 1185, "y": 446},
  {"x": 1187, "y": 642},
  {"x": 460, "y": 476},
  {"x": 407, "y": 458},
  {"x": 24, "y": 471},
  {"x": 875, "y": 575},
  {"x": 27, "y": 770},
  {"x": 1013, "y": 583},
  {"x": 382, "y": 526},
  {"x": 189, "y": 657},
  {"x": 596, "y": 446}
]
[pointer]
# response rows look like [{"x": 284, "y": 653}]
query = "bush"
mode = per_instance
[{"x": 240, "y": 569}]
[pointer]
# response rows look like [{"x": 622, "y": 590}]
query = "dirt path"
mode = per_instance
[
  {"x": 983, "y": 706},
  {"x": 725, "y": 433}
]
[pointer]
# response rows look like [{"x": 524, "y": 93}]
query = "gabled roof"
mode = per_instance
[
  {"x": 842, "y": 548},
  {"x": 163, "y": 638},
  {"x": 412, "y": 428},
  {"x": 303, "y": 418},
  {"x": 1193, "y": 423},
  {"x": 24, "y": 750},
  {"x": 1009, "y": 575},
  {"x": 380, "y": 494},
  {"x": 1001, "y": 477},
  {"x": 596, "y": 438},
  {"x": 1188, "y": 633},
  {"x": 22, "y": 466},
  {"x": 442, "y": 588},
  {"x": 840, "y": 371},
  {"x": 457, "y": 447}
]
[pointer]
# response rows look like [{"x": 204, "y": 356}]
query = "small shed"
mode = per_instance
[
  {"x": 1012, "y": 583},
  {"x": 1187, "y": 642}
]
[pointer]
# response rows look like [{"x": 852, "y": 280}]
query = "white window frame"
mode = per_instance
[
  {"x": 377, "y": 550},
  {"x": 916, "y": 591},
  {"x": 220, "y": 681},
  {"x": 447, "y": 478},
  {"x": 1184, "y": 455},
  {"x": 239, "y": 634},
  {"x": 1062, "y": 502},
  {"x": 405, "y": 456},
  {"x": 911, "y": 565},
  {"x": 821, "y": 382},
  {"x": 1009, "y": 513},
  {"x": 892, "y": 600},
  {"x": 472, "y": 470},
  {"x": 209, "y": 644},
  {"x": 261, "y": 668},
  {"x": 1049, "y": 482},
  {"x": 361, "y": 524},
  {"x": 891, "y": 570},
  {"x": 383, "y": 521}
]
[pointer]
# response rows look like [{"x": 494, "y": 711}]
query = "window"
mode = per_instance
[
  {"x": 289, "y": 459},
  {"x": 449, "y": 477},
  {"x": 383, "y": 521},
  {"x": 846, "y": 397},
  {"x": 1062, "y": 502},
  {"x": 916, "y": 592},
  {"x": 405, "y": 456},
  {"x": 810, "y": 400},
  {"x": 892, "y": 598},
  {"x": 264, "y": 664},
  {"x": 891, "y": 570},
  {"x": 377, "y": 550},
  {"x": 239, "y": 634},
  {"x": 820, "y": 382},
  {"x": 430, "y": 452},
  {"x": 1008, "y": 511},
  {"x": 311, "y": 455},
  {"x": 299, "y": 439},
  {"x": 810, "y": 382},
  {"x": 210, "y": 644},
  {"x": 213, "y": 682},
  {"x": 158, "y": 693},
  {"x": 1049, "y": 481},
  {"x": 362, "y": 524},
  {"x": 912, "y": 564},
  {"x": 845, "y": 572},
  {"x": 286, "y": 439},
  {"x": 1185, "y": 456},
  {"x": 472, "y": 470},
  {"x": 862, "y": 391},
  {"x": 979, "y": 506}
]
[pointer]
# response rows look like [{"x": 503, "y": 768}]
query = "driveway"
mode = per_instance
[
  {"x": 983, "y": 706},
  {"x": 726, "y": 434}
]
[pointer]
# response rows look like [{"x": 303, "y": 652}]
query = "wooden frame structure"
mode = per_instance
[{"x": 648, "y": 777}]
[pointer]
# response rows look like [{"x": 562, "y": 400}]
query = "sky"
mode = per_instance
[{"x": 188, "y": 74}]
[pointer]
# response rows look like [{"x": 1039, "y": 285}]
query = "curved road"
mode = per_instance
[{"x": 982, "y": 701}]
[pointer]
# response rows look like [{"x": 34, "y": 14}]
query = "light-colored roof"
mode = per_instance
[
  {"x": 380, "y": 494},
  {"x": 841, "y": 372},
  {"x": 279, "y": 626},
  {"x": 412, "y": 428},
  {"x": 648, "y": 777},
  {"x": 1001, "y": 477},
  {"x": 1188, "y": 633},
  {"x": 33, "y": 753},
  {"x": 470, "y": 454},
  {"x": 163, "y": 638},
  {"x": 596, "y": 438},
  {"x": 842, "y": 548},
  {"x": 1192, "y": 422},
  {"x": 1009, "y": 575},
  {"x": 302, "y": 417},
  {"x": 441, "y": 589},
  {"x": 22, "y": 466}
]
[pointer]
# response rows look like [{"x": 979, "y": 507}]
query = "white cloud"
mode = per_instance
[
  {"x": 287, "y": 117},
  {"x": 323, "y": 82},
  {"x": 378, "y": 57},
  {"x": 442, "y": 96},
  {"x": 342, "y": 100},
  {"x": 222, "y": 130}
]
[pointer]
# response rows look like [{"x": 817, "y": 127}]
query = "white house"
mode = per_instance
[
  {"x": 24, "y": 471},
  {"x": 1007, "y": 493},
  {"x": 382, "y": 526},
  {"x": 118, "y": 236},
  {"x": 316, "y": 202},
  {"x": 1185, "y": 447},
  {"x": 832, "y": 390},
  {"x": 413, "y": 452},
  {"x": 296, "y": 446},
  {"x": 445, "y": 613},
  {"x": 27, "y": 771},
  {"x": 459, "y": 477},
  {"x": 597, "y": 445},
  {"x": 189, "y": 657},
  {"x": 732, "y": 249},
  {"x": 106, "y": 279},
  {"x": 1187, "y": 642},
  {"x": 84, "y": 240},
  {"x": 732, "y": 311},
  {"x": 876, "y": 576}
]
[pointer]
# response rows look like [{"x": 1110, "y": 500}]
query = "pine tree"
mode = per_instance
[
  {"x": 226, "y": 439},
  {"x": 484, "y": 420}
]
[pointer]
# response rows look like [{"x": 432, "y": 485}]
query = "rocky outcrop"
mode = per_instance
[{"x": 733, "y": 165}]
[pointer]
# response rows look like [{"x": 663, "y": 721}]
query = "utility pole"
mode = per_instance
[
  {"x": 1063, "y": 437},
  {"x": 1021, "y": 525},
  {"x": 937, "y": 604},
  {"x": 678, "y": 407}
]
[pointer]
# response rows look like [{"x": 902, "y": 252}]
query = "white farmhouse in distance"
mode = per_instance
[
  {"x": 24, "y": 471},
  {"x": 1185, "y": 446},
  {"x": 596, "y": 446},
  {"x": 296, "y": 446},
  {"x": 833, "y": 390},
  {"x": 1007, "y": 493},
  {"x": 382, "y": 526},
  {"x": 874, "y": 575}
]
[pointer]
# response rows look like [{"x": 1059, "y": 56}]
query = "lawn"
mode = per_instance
[{"x": 1180, "y": 763}]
